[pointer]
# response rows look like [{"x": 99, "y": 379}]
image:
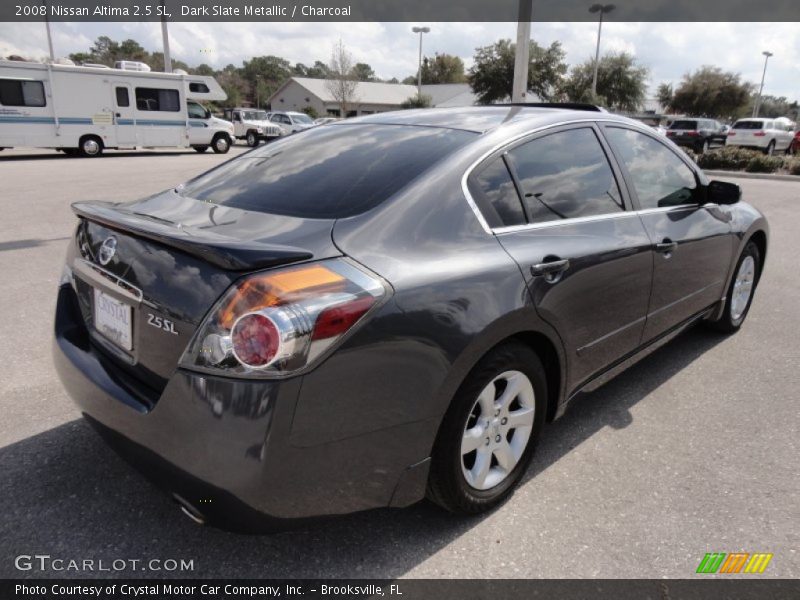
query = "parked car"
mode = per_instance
[
  {"x": 252, "y": 125},
  {"x": 391, "y": 306},
  {"x": 796, "y": 143},
  {"x": 698, "y": 134},
  {"x": 769, "y": 135},
  {"x": 291, "y": 122}
]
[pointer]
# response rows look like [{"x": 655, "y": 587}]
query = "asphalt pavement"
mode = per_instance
[{"x": 696, "y": 449}]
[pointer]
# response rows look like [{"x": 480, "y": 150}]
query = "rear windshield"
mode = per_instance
[
  {"x": 327, "y": 172},
  {"x": 687, "y": 125},
  {"x": 749, "y": 125}
]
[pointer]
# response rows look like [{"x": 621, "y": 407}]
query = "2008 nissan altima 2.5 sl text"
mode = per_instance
[{"x": 392, "y": 306}]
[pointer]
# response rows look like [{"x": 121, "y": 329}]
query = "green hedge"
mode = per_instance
[{"x": 733, "y": 158}]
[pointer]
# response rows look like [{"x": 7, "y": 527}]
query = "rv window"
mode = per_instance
[
  {"x": 14, "y": 92},
  {"x": 201, "y": 88},
  {"x": 122, "y": 97},
  {"x": 157, "y": 100}
]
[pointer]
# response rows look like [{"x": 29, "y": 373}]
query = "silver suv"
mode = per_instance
[{"x": 291, "y": 122}]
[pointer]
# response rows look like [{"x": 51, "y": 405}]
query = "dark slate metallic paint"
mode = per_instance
[{"x": 356, "y": 432}]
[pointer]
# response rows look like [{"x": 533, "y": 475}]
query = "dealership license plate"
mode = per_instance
[{"x": 113, "y": 319}]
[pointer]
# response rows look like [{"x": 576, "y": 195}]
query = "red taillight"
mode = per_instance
[
  {"x": 731, "y": 133},
  {"x": 759, "y": 134},
  {"x": 338, "y": 319},
  {"x": 256, "y": 340},
  {"x": 693, "y": 134}
]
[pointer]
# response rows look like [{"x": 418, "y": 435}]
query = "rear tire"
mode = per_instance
[
  {"x": 467, "y": 480},
  {"x": 770, "y": 150},
  {"x": 741, "y": 291},
  {"x": 221, "y": 144}
]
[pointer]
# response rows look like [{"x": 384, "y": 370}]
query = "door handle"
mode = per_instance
[
  {"x": 550, "y": 268},
  {"x": 667, "y": 246}
]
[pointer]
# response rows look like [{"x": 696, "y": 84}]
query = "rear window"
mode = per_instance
[
  {"x": 684, "y": 125},
  {"x": 327, "y": 172},
  {"x": 749, "y": 125}
]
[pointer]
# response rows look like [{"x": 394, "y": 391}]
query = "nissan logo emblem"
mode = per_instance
[{"x": 107, "y": 250}]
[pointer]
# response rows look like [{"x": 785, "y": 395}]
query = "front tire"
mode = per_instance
[
  {"x": 487, "y": 438},
  {"x": 741, "y": 290},
  {"x": 221, "y": 144},
  {"x": 252, "y": 139}
]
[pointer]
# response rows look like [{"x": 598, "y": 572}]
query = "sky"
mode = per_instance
[{"x": 669, "y": 49}]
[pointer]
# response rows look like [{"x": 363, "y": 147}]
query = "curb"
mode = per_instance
[{"x": 745, "y": 175}]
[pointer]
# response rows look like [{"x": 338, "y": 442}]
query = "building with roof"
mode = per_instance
[{"x": 298, "y": 93}]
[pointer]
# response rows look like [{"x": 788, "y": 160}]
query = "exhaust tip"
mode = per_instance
[{"x": 189, "y": 510}]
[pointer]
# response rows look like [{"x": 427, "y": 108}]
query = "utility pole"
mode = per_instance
[
  {"x": 49, "y": 36},
  {"x": 165, "y": 37},
  {"x": 757, "y": 107},
  {"x": 602, "y": 9},
  {"x": 519, "y": 89}
]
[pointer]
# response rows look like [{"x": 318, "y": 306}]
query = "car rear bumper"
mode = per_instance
[
  {"x": 224, "y": 446},
  {"x": 746, "y": 144}
]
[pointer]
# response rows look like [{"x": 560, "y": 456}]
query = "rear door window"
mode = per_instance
[
  {"x": 565, "y": 175},
  {"x": 327, "y": 172}
]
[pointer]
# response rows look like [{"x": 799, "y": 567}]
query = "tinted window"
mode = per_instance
[
  {"x": 659, "y": 177},
  {"x": 14, "y": 92},
  {"x": 327, "y": 172},
  {"x": 496, "y": 196},
  {"x": 565, "y": 175},
  {"x": 157, "y": 100},
  {"x": 122, "y": 96},
  {"x": 749, "y": 125},
  {"x": 684, "y": 125},
  {"x": 198, "y": 87}
]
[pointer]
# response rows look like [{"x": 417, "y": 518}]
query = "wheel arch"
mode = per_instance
[{"x": 759, "y": 238}]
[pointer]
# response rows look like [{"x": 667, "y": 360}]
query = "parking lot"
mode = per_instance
[{"x": 696, "y": 449}]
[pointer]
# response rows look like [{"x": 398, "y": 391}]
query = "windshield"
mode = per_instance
[
  {"x": 327, "y": 172},
  {"x": 301, "y": 118},
  {"x": 255, "y": 115}
]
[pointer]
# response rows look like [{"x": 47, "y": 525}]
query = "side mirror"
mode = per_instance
[
  {"x": 722, "y": 192},
  {"x": 208, "y": 114}
]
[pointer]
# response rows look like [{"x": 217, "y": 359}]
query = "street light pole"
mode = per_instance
[
  {"x": 757, "y": 107},
  {"x": 602, "y": 9},
  {"x": 165, "y": 38},
  {"x": 420, "y": 31}
]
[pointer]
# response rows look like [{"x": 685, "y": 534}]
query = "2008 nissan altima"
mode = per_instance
[{"x": 390, "y": 307}]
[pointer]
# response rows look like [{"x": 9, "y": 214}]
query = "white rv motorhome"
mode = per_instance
[{"x": 83, "y": 110}]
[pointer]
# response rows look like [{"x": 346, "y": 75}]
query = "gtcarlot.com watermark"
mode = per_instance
[{"x": 45, "y": 563}]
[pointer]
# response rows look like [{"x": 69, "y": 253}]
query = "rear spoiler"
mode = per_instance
[{"x": 226, "y": 253}]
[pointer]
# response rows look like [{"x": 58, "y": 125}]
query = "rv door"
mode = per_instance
[{"x": 124, "y": 116}]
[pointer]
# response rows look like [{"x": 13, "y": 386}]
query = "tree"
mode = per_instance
[
  {"x": 443, "y": 68},
  {"x": 664, "y": 95},
  {"x": 621, "y": 83},
  {"x": 771, "y": 107},
  {"x": 410, "y": 80},
  {"x": 711, "y": 92},
  {"x": 363, "y": 72},
  {"x": 492, "y": 74},
  {"x": 340, "y": 83},
  {"x": 204, "y": 70},
  {"x": 417, "y": 101}
]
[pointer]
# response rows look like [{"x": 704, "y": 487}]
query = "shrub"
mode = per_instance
[
  {"x": 764, "y": 164},
  {"x": 792, "y": 165},
  {"x": 728, "y": 157}
]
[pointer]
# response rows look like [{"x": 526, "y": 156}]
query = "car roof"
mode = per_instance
[{"x": 481, "y": 119}]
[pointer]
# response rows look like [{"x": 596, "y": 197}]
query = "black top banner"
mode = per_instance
[{"x": 395, "y": 10}]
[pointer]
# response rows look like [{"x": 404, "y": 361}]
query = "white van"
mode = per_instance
[
  {"x": 768, "y": 135},
  {"x": 83, "y": 110}
]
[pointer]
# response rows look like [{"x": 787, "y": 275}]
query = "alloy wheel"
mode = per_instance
[
  {"x": 742, "y": 287},
  {"x": 497, "y": 430}
]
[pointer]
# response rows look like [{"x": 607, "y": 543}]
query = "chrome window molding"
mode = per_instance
[{"x": 560, "y": 222}]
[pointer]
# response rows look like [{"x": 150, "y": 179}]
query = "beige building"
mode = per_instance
[{"x": 298, "y": 93}]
